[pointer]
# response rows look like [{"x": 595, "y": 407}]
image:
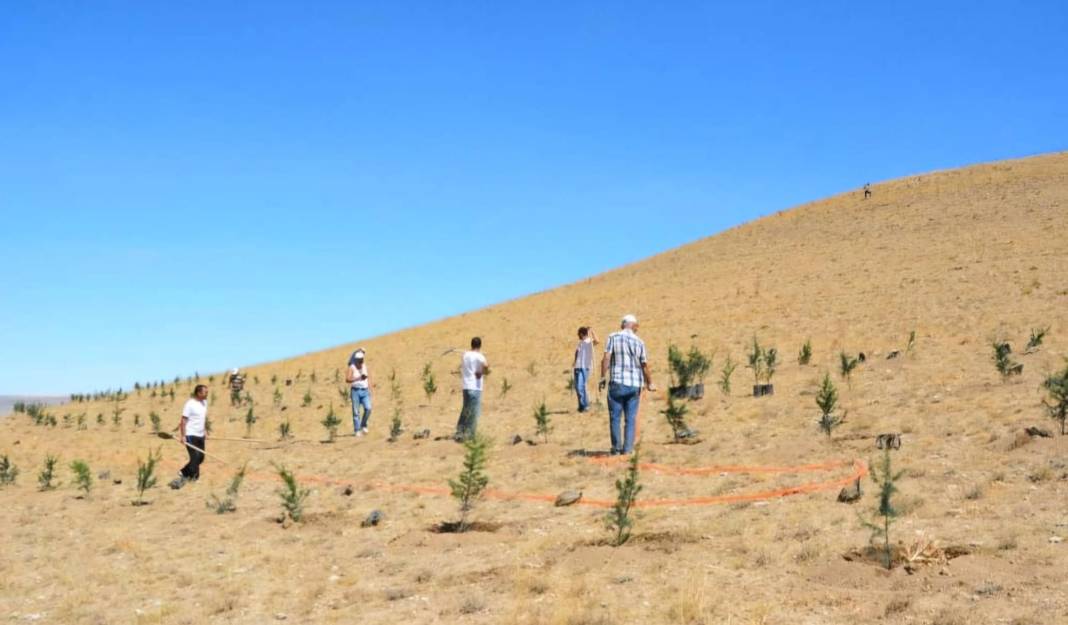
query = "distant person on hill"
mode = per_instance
[
  {"x": 193, "y": 430},
  {"x": 473, "y": 367},
  {"x": 582, "y": 365},
  {"x": 237, "y": 384},
  {"x": 624, "y": 358},
  {"x": 867, "y": 190},
  {"x": 360, "y": 380}
]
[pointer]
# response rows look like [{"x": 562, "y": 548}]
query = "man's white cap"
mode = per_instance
[
  {"x": 630, "y": 319},
  {"x": 359, "y": 353},
  {"x": 233, "y": 371}
]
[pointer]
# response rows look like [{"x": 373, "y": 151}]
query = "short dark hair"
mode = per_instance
[
  {"x": 583, "y": 332},
  {"x": 476, "y": 343},
  {"x": 196, "y": 389}
]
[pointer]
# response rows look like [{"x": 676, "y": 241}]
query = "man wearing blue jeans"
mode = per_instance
[
  {"x": 624, "y": 357},
  {"x": 360, "y": 380},
  {"x": 583, "y": 364},
  {"x": 473, "y": 367}
]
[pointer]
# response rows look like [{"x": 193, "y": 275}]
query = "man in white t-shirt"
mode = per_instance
[
  {"x": 583, "y": 364},
  {"x": 193, "y": 429},
  {"x": 473, "y": 367},
  {"x": 360, "y": 380}
]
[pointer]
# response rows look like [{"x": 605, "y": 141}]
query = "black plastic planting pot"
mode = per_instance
[
  {"x": 760, "y": 390},
  {"x": 697, "y": 391}
]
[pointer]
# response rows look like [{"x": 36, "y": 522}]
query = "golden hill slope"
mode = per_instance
[{"x": 961, "y": 257}]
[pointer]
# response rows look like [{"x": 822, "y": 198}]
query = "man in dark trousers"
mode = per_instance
[{"x": 193, "y": 429}]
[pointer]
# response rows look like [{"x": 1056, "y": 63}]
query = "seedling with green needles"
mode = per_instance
[
  {"x": 542, "y": 421},
  {"x": 146, "y": 475},
  {"x": 827, "y": 400},
  {"x": 468, "y": 487},
  {"x": 45, "y": 479},
  {"x": 620, "y": 519}
]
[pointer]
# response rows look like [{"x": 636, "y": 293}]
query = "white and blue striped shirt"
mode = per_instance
[{"x": 627, "y": 357}]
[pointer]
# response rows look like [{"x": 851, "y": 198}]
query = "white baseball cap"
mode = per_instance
[
  {"x": 233, "y": 371},
  {"x": 358, "y": 354},
  {"x": 630, "y": 319}
]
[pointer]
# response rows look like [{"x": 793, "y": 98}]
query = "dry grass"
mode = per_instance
[{"x": 935, "y": 253}]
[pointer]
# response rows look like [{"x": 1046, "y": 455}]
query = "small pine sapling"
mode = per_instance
[
  {"x": 137, "y": 420},
  {"x": 756, "y": 361},
  {"x": 532, "y": 368},
  {"x": 886, "y": 479},
  {"x": 1003, "y": 361},
  {"x": 429, "y": 385},
  {"x": 81, "y": 422},
  {"x": 153, "y": 418},
  {"x": 83, "y": 477},
  {"x": 307, "y": 399},
  {"x": 771, "y": 363},
  {"x": 467, "y": 488},
  {"x": 250, "y": 420},
  {"x": 284, "y": 430},
  {"x": 675, "y": 413},
  {"x": 1056, "y": 402},
  {"x": 689, "y": 369},
  {"x": 291, "y": 494},
  {"x": 396, "y": 426},
  {"x": 505, "y": 386},
  {"x": 331, "y": 423},
  {"x": 100, "y": 418},
  {"x": 846, "y": 365},
  {"x": 312, "y": 377},
  {"x": 8, "y": 471},
  {"x": 542, "y": 421},
  {"x": 619, "y": 519},
  {"x": 277, "y": 397},
  {"x": 1037, "y": 336},
  {"x": 228, "y": 502},
  {"x": 827, "y": 400},
  {"x": 725, "y": 375},
  {"x": 146, "y": 475},
  {"x": 47, "y": 475},
  {"x": 805, "y": 355},
  {"x": 911, "y": 345}
]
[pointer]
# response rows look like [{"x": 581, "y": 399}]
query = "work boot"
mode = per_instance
[{"x": 177, "y": 483}]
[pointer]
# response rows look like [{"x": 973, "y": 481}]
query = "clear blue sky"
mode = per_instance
[{"x": 193, "y": 185}]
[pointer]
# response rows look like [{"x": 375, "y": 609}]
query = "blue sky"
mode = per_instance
[{"x": 190, "y": 186}]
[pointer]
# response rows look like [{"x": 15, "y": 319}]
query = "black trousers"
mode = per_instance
[{"x": 191, "y": 471}]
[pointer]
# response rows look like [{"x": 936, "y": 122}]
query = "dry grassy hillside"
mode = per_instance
[{"x": 961, "y": 257}]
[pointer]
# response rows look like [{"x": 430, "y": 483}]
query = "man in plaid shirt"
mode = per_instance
[{"x": 624, "y": 356}]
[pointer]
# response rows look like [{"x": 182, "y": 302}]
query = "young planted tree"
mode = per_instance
[
  {"x": 153, "y": 417},
  {"x": 771, "y": 363},
  {"x": 396, "y": 425},
  {"x": 277, "y": 397},
  {"x": 47, "y": 475},
  {"x": 8, "y": 471},
  {"x": 307, "y": 399},
  {"x": 1037, "y": 336},
  {"x": 846, "y": 365},
  {"x": 1056, "y": 402},
  {"x": 291, "y": 494},
  {"x": 83, "y": 476},
  {"x": 429, "y": 385},
  {"x": 619, "y": 519},
  {"x": 756, "y": 360},
  {"x": 100, "y": 418},
  {"x": 505, "y": 387},
  {"x": 675, "y": 413},
  {"x": 116, "y": 415},
  {"x": 805, "y": 355},
  {"x": 228, "y": 502},
  {"x": 827, "y": 400},
  {"x": 911, "y": 345},
  {"x": 284, "y": 430},
  {"x": 725, "y": 375},
  {"x": 331, "y": 422},
  {"x": 542, "y": 422},
  {"x": 689, "y": 369},
  {"x": 250, "y": 420},
  {"x": 886, "y": 479},
  {"x": 467, "y": 488},
  {"x": 1003, "y": 361},
  {"x": 146, "y": 475},
  {"x": 81, "y": 422}
]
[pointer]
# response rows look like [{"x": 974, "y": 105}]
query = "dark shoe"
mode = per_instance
[{"x": 177, "y": 483}]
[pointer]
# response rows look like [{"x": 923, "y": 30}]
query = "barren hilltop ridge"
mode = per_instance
[{"x": 741, "y": 525}]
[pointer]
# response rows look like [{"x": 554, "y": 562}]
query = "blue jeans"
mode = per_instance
[
  {"x": 469, "y": 414},
  {"x": 623, "y": 399},
  {"x": 360, "y": 397},
  {"x": 581, "y": 375}
]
